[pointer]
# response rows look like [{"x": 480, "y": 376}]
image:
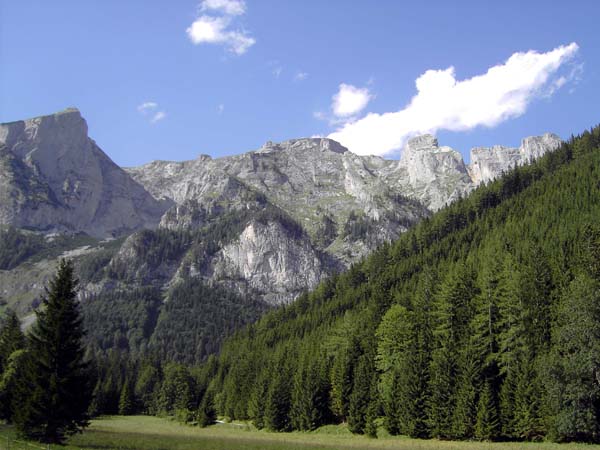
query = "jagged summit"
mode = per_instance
[
  {"x": 422, "y": 142},
  {"x": 304, "y": 144},
  {"x": 488, "y": 163}
]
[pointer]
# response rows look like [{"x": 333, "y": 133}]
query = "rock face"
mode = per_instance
[
  {"x": 488, "y": 163},
  {"x": 432, "y": 174},
  {"x": 346, "y": 204},
  {"x": 317, "y": 182},
  {"x": 54, "y": 178},
  {"x": 262, "y": 260}
]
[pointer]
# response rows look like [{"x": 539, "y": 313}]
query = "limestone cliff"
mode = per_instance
[
  {"x": 54, "y": 178},
  {"x": 488, "y": 163}
]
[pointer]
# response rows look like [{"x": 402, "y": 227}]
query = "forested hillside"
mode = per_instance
[{"x": 482, "y": 322}]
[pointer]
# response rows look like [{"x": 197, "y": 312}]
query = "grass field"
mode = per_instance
[{"x": 152, "y": 433}]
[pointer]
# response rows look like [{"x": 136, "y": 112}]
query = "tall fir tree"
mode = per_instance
[
  {"x": 12, "y": 358},
  {"x": 453, "y": 314},
  {"x": 11, "y": 336},
  {"x": 207, "y": 414},
  {"x": 56, "y": 389},
  {"x": 127, "y": 400},
  {"x": 574, "y": 386},
  {"x": 360, "y": 398}
]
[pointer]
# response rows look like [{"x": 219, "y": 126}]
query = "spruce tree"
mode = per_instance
[
  {"x": 574, "y": 385},
  {"x": 277, "y": 407},
  {"x": 126, "y": 400},
  {"x": 56, "y": 389},
  {"x": 207, "y": 414},
  {"x": 487, "y": 427},
  {"x": 360, "y": 396},
  {"x": 11, "y": 337},
  {"x": 453, "y": 311}
]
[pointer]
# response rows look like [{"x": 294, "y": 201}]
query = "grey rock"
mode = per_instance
[
  {"x": 53, "y": 177},
  {"x": 488, "y": 163},
  {"x": 268, "y": 262}
]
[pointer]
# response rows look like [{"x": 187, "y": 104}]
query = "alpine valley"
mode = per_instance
[{"x": 174, "y": 256}]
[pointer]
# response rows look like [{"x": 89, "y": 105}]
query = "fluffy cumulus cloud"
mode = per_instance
[
  {"x": 150, "y": 110},
  {"x": 219, "y": 29},
  {"x": 444, "y": 103},
  {"x": 350, "y": 100}
]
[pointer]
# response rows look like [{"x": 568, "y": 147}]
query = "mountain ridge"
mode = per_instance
[{"x": 264, "y": 226}]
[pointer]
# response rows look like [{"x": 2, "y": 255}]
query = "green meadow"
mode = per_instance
[{"x": 153, "y": 433}]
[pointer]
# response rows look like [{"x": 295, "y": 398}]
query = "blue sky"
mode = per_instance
[{"x": 152, "y": 85}]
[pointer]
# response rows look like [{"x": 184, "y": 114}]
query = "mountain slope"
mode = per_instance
[{"x": 463, "y": 328}]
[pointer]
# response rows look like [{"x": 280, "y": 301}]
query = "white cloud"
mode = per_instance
[
  {"x": 146, "y": 106},
  {"x": 159, "y": 115},
  {"x": 209, "y": 29},
  {"x": 214, "y": 30},
  {"x": 350, "y": 100},
  {"x": 443, "y": 102},
  {"x": 277, "y": 71},
  {"x": 229, "y": 7},
  {"x": 220, "y": 108},
  {"x": 300, "y": 76}
]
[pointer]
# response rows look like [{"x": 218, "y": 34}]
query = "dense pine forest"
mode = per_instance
[{"x": 482, "y": 322}]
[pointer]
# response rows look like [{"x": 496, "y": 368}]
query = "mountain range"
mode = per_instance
[{"x": 260, "y": 227}]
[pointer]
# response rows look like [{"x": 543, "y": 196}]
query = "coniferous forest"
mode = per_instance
[{"x": 482, "y": 322}]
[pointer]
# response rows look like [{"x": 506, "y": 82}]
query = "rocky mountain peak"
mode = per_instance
[
  {"x": 422, "y": 142},
  {"x": 65, "y": 129},
  {"x": 535, "y": 146},
  {"x": 304, "y": 145},
  {"x": 54, "y": 177},
  {"x": 488, "y": 163}
]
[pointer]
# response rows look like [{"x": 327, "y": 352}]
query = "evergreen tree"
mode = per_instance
[
  {"x": 56, "y": 390},
  {"x": 310, "y": 393},
  {"x": 12, "y": 357},
  {"x": 147, "y": 386},
  {"x": 207, "y": 414},
  {"x": 465, "y": 412},
  {"x": 126, "y": 400},
  {"x": 453, "y": 311},
  {"x": 10, "y": 379},
  {"x": 258, "y": 400},
  {"x": 372, "y": 410},
  {"x": 528, "y": 421},
  {"x": 11, "y": 336},
  {"x": 360, "y": 396},
  {"x": 487, "y": 427},
  {"x": 176, "y": 392},
  {"x": 574, "y": 386},
  {"x": 277, "y": 407}
]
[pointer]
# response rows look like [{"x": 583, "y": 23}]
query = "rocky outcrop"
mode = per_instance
[
  {"x": 488, "y": 163},
  {"x": 54, "y": 178},
  {"x": 432, "y": 174},
  {"x": 269, "y": 262},
  {"x": 311, "y": 180}
]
